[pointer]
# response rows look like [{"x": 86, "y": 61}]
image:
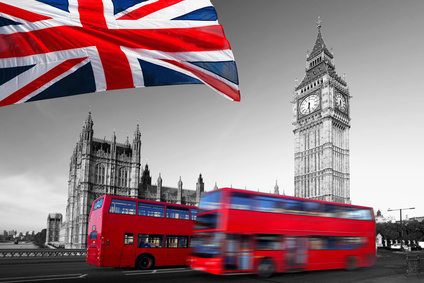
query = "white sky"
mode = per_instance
[{"x": 188, "y": 130}]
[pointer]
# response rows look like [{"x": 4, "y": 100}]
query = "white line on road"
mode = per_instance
[
  {"x": 156, "y": 271},
  {"x": 42, "y": 278}
]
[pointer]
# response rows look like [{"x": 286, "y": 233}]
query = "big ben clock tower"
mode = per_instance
[{"x": 321, "y": 110}]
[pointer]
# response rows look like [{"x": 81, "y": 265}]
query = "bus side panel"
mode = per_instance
[
  {"x": 94, "y": 250},
  {"x": 112, "y": 242},
  {"x": 177, "y": 256}
]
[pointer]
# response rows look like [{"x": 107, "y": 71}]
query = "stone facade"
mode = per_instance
[
  {"x": 321, "y": 114},
  {"x": 54, "y": 222},
  {"x": 100, "y": 166}
]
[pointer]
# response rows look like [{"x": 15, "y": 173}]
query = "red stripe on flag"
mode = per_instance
[
  {"x": 92, "y": 13},
  {"x": 41, "y": 81},
  {"x": 148, "y": 9},
  {"x": 116, "y": 68},
  {"x": 218, "y": 85},
  {"x": 209, "y": 38},
  {"x": 22, "y": 14}
]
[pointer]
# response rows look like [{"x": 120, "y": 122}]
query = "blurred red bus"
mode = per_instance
[
  {"x": 239, "y": 231},
  {"x": 138, "y": 233}
]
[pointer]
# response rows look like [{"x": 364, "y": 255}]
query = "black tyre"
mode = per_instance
[
  {"x": 144, "y": 262},
  {"x": 265, "y": 268}
]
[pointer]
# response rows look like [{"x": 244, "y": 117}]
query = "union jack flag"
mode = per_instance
[{"x": 56, "y": 48}]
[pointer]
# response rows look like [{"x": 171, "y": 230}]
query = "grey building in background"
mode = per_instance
[
  {"x": 99, "y": 167},
  {"x": 54, "y": 222},
  {"x": 321, "y": 114}
]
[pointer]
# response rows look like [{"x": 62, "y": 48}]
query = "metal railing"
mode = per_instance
[{"x": 42, "y": 253}]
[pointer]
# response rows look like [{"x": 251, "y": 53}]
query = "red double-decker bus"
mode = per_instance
[
  {"x": 138, "y": 233},
  {"x": 239, "y": 231}
]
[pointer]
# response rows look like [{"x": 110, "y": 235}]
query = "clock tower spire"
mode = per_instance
[{"x": 321, "y": 114}]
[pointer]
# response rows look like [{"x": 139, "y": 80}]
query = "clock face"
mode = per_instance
[
  {"x": 309, "y": 104},
  {"x": 341, "y": 102}
]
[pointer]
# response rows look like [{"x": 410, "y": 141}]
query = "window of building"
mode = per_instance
[
  {"x": 177, "y": 241},
  {"x": 177, "y": 212},
  {"x": 122, "y": 177},
  {"x": 151, "y": 209},
  {"x": 100, "y": 173},
  {"x": 122, "y": 206}
]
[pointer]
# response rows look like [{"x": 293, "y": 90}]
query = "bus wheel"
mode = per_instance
[
  {"x": 351, "y": 263},
  {"x": 144, "y": 261},
  {"x": 266, "y": 268}
]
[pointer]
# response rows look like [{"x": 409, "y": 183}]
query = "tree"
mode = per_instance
[
  {"x": 412, "y": 231},
  {"x": 40, "y": 237}
]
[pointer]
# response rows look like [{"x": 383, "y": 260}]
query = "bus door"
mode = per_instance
[
  {"x": 296, "y": 251},
  {"x": 237, "y": 252},
  {"x": 245, "y": 254},
  {"x": 128, "y": 250}
]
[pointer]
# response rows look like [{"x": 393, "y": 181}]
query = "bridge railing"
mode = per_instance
[{"x": 41, "y": 253}]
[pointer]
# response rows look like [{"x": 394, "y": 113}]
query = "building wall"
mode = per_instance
[
  {"x": 54, "y": 222},
  {"x": 321, "y": 132},
  {"x": 95, "y": 170}
]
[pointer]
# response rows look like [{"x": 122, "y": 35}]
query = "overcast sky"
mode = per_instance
[{"x": 188, "y": 130}]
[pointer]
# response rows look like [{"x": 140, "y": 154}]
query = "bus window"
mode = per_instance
[
  {"x": 314, "y": 208},
  {"x": 316, "y": 243},
  {"x": 150, "y": 241},
  {"x": 363, "y": 214},
  {"x": 177, "y": 212},
  {"x": 122, "y": 206},
  {"x": 150, "y": 209},
  {"x": 241, "y": 201},
  {"x": 177, "y": 241},
  {"x": 207, "y": 221},
  {"x": 335, "y": 243},
  {"x": 98, "y": 204},
  {"x": 266, "y": 204},
  {"x": 293, "y": 206},
  {"x": 207, "y": 244},
  {"x": 340, "y": 211},
  {"x": 93, "y": 235},
  {"x": 193, "y": 214},
  {"x": 330, "y": 210},
  {"x": 268, "y": 242},
  {"x": 350, "y": 212},
  {"x": 128, "y": 239},
  {"x": 211, "y": 201}
]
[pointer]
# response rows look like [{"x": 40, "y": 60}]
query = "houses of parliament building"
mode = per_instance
[{"x": 100, "y": 166}]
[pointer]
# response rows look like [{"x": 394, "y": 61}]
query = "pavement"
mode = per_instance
[
  {"x": 410, "y": 278},
  {"x": 400, "y": 277}
]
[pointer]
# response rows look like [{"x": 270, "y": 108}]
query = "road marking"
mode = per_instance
[
  {"x": 42, "y": 278},
  {"x": 156, "y": 271}
]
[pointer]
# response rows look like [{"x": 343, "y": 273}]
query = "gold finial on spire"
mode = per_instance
[{"x": 319, "y": 22}]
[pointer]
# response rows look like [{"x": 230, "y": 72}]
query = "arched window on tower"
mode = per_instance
[
  {"x": 122, "y": 177},
  {"x": 100, "y": 173}
]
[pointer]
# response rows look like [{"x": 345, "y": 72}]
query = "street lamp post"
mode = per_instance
[{"x": 401, "y": 227}]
